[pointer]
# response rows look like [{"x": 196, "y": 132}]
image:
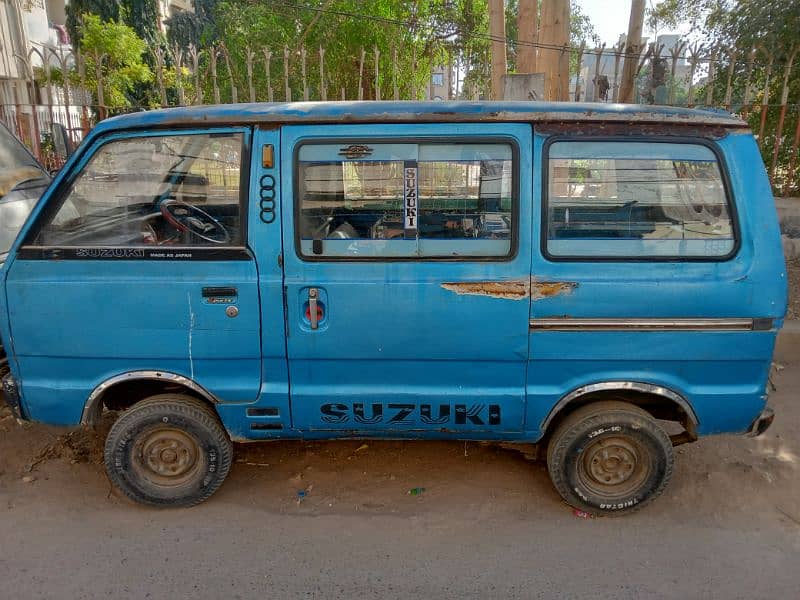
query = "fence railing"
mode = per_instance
[{"x": 742, "y": 82}]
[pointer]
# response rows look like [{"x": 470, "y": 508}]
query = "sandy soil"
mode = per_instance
[
  {"x": 488, "y": 523},
  {"x": 793, "y": 272}
]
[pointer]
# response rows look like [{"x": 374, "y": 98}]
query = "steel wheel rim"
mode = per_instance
[
  {"x": 168, "y": 457},
  {"x": 614, "y": 467}
]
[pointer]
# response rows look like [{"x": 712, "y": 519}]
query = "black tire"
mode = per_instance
[
  {"x": 610, "y": 458},
  {"x": 168, "y": 450}
]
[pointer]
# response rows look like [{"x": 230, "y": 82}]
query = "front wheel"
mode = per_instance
[
  {"x": 609, "y": 458},
  {"x": 168, "y": 450}
]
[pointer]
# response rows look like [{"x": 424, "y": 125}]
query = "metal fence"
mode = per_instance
[{"x": 743, "y": 83}]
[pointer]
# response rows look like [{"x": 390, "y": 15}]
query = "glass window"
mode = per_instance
[
  {"x": 636, "y": 199},
  {"x": 437, "y": 79},
  {"x": 405, "y": 200},
  {"x": 171, "y": 190}
]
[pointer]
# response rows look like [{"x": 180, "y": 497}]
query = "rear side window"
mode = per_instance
[
  {"x": 623, "y": 199},
  {"x": 405, "y": 200},
  {"x": 164, "y": 190}
]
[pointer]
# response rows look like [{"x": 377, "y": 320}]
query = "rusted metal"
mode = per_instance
[
  {"x": 548, "y": 289},
  {"x": 510, "y": 290},
  {"x": 713, "y": 132},
  {"x": 513, "y": 289},
  {"x": 551, "y": 114}
]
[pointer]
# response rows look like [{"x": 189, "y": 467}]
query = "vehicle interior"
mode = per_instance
[{"x": 170, "y": 190}]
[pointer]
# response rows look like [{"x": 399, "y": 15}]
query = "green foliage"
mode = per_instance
[
  {"x": 772, "y": 29},
  {"x": 184, "y": 30},
  {"x": 142, "y": 16},
  {"x": 413, "y": 29},
  {"x": 107, "y": 10},
  {"x": 120, "y": 52}
]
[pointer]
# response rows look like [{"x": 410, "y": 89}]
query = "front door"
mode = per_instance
[
  {"x": 139, "y": 264},
  {"x": 407, "y": 262}
]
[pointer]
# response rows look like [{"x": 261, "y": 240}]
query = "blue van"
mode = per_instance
[{"x": 601, "y": 281}]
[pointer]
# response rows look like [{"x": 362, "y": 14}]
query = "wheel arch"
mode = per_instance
[
  {"x": 660, "y": 401},
  {"x": 149, "y": 382}
]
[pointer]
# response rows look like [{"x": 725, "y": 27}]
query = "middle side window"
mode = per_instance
[{"x": 431, "y": 200}]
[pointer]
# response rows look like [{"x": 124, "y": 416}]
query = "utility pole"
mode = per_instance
[
  {"x": 527, "y": 27},
  {"x": 497, "y": 29},
  {"x": 633, "y": 48},
  {"x": 554, "y": 53}
]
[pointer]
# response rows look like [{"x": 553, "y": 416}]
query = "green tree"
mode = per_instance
[
  {"x": 119, "y": 52},
  {"x": 769, "y": 27},
  {"x": 184, "y": 30},
  {"x": 143, "y": 17},
  {"x": 107, "y": 10}
]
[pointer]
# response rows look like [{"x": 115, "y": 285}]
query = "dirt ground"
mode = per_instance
[
  {"x": 488, "y": 523},
  {"x": 793, "y": 273}
]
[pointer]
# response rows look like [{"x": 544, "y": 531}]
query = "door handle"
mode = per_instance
[
  {"x": 220, "y": 292},
  {"x": 313, "y": 307}
]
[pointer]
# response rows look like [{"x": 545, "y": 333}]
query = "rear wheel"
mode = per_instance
[
  {"x": 168, "y": 450},
  {"x": 610, "y": 458}
]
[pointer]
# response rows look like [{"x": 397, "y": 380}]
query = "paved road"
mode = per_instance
[{"x": 488, "y": 526}]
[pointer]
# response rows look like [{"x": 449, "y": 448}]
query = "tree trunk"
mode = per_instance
[
  {"x": 497, "y": 27},
  {"x": 527, "y": 26},
  {"x": 633, "y": 48}
]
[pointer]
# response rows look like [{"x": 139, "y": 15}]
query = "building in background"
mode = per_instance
[
  {"x": 33, "y": 36},
  {"x": 440, "y": 84},
  {"x": 169, "y": 8}
]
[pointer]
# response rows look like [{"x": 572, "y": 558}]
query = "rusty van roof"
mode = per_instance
[{"x": 418, "y": 112}]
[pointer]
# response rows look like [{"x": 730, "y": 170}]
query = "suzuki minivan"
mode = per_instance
[{"x": 601, "y": 281}]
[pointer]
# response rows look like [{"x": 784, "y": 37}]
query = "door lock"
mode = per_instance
[{"x": 231, "y": 311}]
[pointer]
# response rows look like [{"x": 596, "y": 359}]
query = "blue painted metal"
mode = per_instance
[
  {"x": 415, "y": 112},
  {"x": 391, "y": 333},
  {"x": 722, "y": 374},
  {"x": 75, "y": 324}
]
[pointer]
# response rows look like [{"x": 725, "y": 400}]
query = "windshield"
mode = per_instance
[
  {"x": 16, "y": 163},
  {"x": 12, "y": 218}
]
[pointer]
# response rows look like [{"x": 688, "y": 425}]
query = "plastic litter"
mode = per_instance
[
  {"x": 417, "y": 491},
  {"x": 581, "y": 514}
]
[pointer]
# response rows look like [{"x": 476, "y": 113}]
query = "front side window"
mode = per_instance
[
  {"x": 626, "y": 199},
  {"x": 165, "y": 190},
  {"x": 405, "y": 200}
]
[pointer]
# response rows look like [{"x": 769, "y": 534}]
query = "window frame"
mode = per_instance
[
  {"x": 658, "y": 139},
  {"x": 417, "y": 140},
  {"x": 29, "y": 250}
]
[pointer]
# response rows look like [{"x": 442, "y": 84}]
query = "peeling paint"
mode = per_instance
[
  {"x": 514, "y": 289},
  {"x": 549, "y": 289}
]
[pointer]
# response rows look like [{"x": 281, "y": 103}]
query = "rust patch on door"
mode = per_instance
[
  {"x": 515, "y": 289},
  {"x": 548, "y": 289}
]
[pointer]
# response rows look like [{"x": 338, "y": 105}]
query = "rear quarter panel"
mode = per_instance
[{"x": 723, "y": 375}]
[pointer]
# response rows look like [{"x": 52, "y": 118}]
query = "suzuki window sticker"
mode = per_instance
[{"x": 410, "y": 199}]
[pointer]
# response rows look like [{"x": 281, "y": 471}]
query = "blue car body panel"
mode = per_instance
[{"x": 405, "y": 348}]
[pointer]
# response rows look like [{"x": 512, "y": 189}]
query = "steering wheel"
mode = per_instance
[{"x": 186, "y": 217}]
